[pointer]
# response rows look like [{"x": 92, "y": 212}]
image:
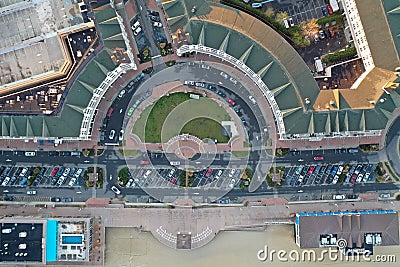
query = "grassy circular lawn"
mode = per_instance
[
  {"x": 178, "y": 113},
  {"x": 205, "y": 128}
]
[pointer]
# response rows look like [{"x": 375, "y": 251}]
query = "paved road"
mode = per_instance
[{"x": 392, "y": 146}]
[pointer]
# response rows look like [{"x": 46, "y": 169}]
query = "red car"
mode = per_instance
[
  {"x": 230, "y": 101},
  {"x": 173, "y": 180},
  {"x": 318, "y": 158},
  {"x": 331, "y": 32},
  {"x": 310, "y": 170},
  {"x": 109, "y": 113},
  {"x": 353, "y": 178},
  {"x": 55, "y": 170},
  {"x": 330, "y": 10},
  {"x": 144, "y": 162},
  {"x": 208, "y": 173}
]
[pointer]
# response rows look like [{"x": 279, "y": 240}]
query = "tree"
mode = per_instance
[
  {"x": 270, "y": 12},
  {"x": 309, "y": 28},
  {"x": 280, "y": 16}
]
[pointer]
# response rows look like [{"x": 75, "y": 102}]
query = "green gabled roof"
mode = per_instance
[
  {"x": 246, "y": 54},
  {"x": 319, "y": 121},
  {"x": 224, "y": 43},
  {"x": 297, "y": 122},
  {"x": 105, "y": 14},
  {"x": 215, "y": 35},
  {"x": 343, "y": 103},
  {"x": 4, "y": 127},
  {"x": 29, "y": 130}
]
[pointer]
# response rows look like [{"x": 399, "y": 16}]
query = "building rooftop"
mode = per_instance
[
  {"x": 350, "y": 225},
  {"x": 378, "y": 34},
  {"x": 21, "y": 241},
  {"x": 31, "y": 47}
]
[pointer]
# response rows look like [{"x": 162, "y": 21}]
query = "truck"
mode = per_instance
[
  {"x": 318, "y": 65},
  {"x": 334, "y": 4}
]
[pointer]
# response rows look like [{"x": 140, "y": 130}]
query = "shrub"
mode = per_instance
[{"x": 340, "y": 55}]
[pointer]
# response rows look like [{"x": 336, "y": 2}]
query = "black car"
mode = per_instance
[
  {"x": 153, "y": 13},
  {"x": 65, "y": 153},
  {"x": 212, "y": 88},
  {"x": 154, "y": 18},
  {"x": 66, "y": 199},
  {"x": 55, "y": 199},
  {"x": 53, "y": 153},
  {"x": 295, "y": 153},
  {"x": 342, "y": 151},
  {"x": 220, "y": 93},
  {"x": 9, "y": 198},
  {"x": 352, "y": 197},
  {"x": 54, "y": 181}
]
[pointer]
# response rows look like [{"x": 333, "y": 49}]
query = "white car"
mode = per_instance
[
  {"x": 122, "y": 93},
  {"x": 232, "y": 183},
  {"x": 252, "y": 99},
  {"x": 339, "y": 197},
  {"x": 121, "y": 135},
  {"x": 232, "y": 173},
  {"x": 233, "y": 80},
  {"x": 157, "y": 24},
  {"x": 205, "y": 67},
  {"x": 78, "y": 172},
  {"x": 175, "y": 163},
  {"x": 31, "y": 192},
  {"x": 112, "y": 134},
  {"x": 30, "y": 154},
  {"x": 137, "y": 31},
  {"x": 72, "y": 182},
  {"x": 129, "y": 183},
  {"x": 223, "y": 74},
  {"x": 115, "y": 190}
]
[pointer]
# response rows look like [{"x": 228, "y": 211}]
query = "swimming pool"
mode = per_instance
[{"x": 71, "y": 240}]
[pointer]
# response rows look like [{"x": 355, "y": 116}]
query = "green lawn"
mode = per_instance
[
  {"x": 205, "y": 128},
  {"x": 170, "y": 114}
]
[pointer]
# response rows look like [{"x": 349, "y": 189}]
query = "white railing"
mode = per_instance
[
  {"x": 249, "y": 72},
  {"x": 90, "y": 111}
]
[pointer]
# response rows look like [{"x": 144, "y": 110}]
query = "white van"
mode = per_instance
[
  {"x": 285, "y": 23},
  {"x": 318, "y": 65},
  {"x": 135, "y": 25}
]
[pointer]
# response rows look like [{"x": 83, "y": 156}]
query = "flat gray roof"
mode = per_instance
[{"x": 350, "y": 226}]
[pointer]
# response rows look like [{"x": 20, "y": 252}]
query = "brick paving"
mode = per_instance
[{"x": 202, "y": 222}]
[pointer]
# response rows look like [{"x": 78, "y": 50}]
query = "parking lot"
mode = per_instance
[
  {"x": 169, "y": 177},
  {"x": 304, "y": 10},
  {"x": 302, "y": 175},
  {"x": 41, "y": 176}
]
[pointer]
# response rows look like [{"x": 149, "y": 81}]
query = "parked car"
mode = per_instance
[
  {"x": 252, "y": 99},
  {"x": 223, "y": 74},
  {"x": 291, "y": 22},
  {"x": 115, "y": 190},
  {"x": 324, "y": 11},
  {"x": 385, "y": 196},
  {"x": 31, "y": 192},
  {"x": 144, "y": 162},
  {"x": 321, "y": 34},
  {"x": 157, "y": 24},
  {"x": 30, "y": 153},
  {"x": 223, "y": 201},
  {"x": 330, "y": 10},
  {"x": 230, "y": 101},
  {"x": 318, "y": 158},
  {"x": 112, "y": 134},
  {"x": 339, "y": 197}
]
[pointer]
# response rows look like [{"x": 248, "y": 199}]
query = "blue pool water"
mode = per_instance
[
  {"x": 72, "y": 239},
  {"x": 51, "y": 241}
]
